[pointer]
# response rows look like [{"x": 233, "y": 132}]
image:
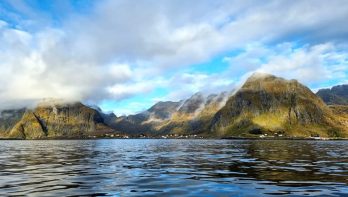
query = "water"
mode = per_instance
[{"x": 150, "y": 167}]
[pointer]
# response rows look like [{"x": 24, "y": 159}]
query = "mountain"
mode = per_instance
[
  {"x": 163, "y": 110},
  {"x": 53, "y": 119},
  {"x": 341, "y": 112},
  {"x": 8, "y": 119},
  {"x": 270, "y": 105},
  {"x": 336, "y": 95},
  {"x": 190, "y": 116},
  {"x": 144, "y": 122},
  {"x": 195, "y": 115},
  {"x": 265, "y": 105}
]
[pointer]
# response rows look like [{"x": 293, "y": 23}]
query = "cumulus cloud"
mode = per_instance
[
  {"x": 180, "y": 33},
  {"x": 311, "y": 65},
  {"x": 33, "y": 68},
  {"x": 123, "y": 48}
]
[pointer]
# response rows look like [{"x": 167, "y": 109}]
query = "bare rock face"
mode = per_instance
[
  {"x": 8, "y": 118},
  {"x": 29, "y": 127},
  {"x": 56, "y": 119},
  {"x": 266, "y": 104}
]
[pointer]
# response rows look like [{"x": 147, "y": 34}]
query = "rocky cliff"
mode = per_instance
[
  {"x": 8, "y": 119},
  {"x": 58, "y": 120},
  {"x": 337, "y": 95}
]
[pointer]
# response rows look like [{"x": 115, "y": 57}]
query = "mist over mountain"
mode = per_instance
[
  {"x": 264, "y": 105},
  {"x": 123, "y": 55},
  {"x": 184, "y": 117}
]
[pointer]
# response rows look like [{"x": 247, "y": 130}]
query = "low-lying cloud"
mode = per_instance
[{"x": 119, "y": 49}]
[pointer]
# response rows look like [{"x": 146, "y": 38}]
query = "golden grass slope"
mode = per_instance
[{"x": 266, "y": 104}]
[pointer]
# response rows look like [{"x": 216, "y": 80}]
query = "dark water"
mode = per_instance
[{"x": 133, "y": 167}]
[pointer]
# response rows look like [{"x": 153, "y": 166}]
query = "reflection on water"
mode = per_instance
[{"x": 141, "y": 167}]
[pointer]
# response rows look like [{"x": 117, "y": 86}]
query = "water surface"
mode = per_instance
[{"x": 153, "y": 167}]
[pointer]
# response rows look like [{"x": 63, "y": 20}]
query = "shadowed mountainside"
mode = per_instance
[
  {"x": 337, "y": 95},
  {"x": 8, "y": 119}
]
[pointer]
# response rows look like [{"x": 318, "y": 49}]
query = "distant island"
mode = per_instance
[{"x": 265, "y": 106}]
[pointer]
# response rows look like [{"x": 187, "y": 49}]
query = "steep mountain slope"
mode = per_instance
[
  {"x": 8, "y": 118},
  {"x": 132, "y": 124},
  {"x": 56, "y": 119},
  {"x": 190, "y": 116},
  {"x": 266, "y": 104},
  {"x": 194, "y": 116},
  {"x": 335, "y": 95},
  {"x": 163, "y": 110},
  {"x": 144, "y": 122}
]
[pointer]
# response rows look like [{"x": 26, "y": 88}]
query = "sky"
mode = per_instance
[{"x": 126, "y": 55}]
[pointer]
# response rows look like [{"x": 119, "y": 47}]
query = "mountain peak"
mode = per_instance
[
  {"x": 164, "y": 109},
  {"x": 270, "y": 104},
  {"x": 335, "y": 95},
  {"x": 260, "y": 76},
  {"x": 54, "y": 102},
  {"x": 268, "y": 82},
  {"x": 192, "y": 104}
]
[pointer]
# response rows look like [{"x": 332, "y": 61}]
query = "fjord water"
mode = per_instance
[{"x": 163, "y": 167}]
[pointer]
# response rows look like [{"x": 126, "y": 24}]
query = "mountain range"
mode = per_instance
[{"x": 265, "y": 105}]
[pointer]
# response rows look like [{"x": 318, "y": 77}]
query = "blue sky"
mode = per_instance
[{"x": 126, "y": 55}]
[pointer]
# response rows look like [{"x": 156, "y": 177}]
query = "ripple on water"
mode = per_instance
[{"x": 141, "y": 167}]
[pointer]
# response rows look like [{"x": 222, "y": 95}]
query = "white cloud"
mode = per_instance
[
  {"x": 120, "y": 72},
  {"x": 125, "y": 48},
  {"x": 155, "y": 32},
  {"x": 34, "y": 67},
  {"x": 121, "y": 91},
  {"x": 311, "y": 65}
]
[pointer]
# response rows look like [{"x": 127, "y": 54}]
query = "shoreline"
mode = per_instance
[{"x": 197, "y": 138}]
